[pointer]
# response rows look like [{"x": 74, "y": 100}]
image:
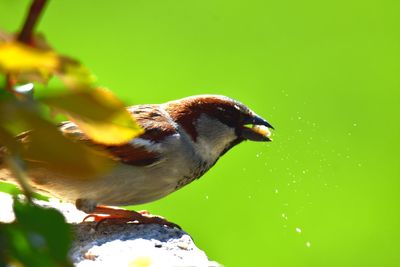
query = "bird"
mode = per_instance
[{"x": 182, "y": 140}]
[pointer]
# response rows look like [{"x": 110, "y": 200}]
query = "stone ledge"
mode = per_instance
[{"x": 122, "y": 244}]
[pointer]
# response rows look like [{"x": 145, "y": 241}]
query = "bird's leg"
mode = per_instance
[{"x": 102, "y": 214}]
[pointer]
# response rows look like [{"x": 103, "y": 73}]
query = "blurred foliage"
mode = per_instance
[
  {"x": 40, "y": 237},
  {"x": 98, "y": 113},
  {"x": 38, "y": 62},
  {"x": 19, "y": 58},
  {"x": 34, "y": 146}
]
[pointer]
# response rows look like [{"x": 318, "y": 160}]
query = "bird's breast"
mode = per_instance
[{"x": 194, "y": 173}]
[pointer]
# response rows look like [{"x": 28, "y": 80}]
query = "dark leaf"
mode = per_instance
[{"x": 38, "y": 237}]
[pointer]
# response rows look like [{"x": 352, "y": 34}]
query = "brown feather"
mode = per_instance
[
  {"x": 149, "y": 117},
  {"x": 153, "y": 121},
  {"x": 129, "y": 154}
]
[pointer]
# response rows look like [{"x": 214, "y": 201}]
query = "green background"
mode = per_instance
[{"x": 324, "y": 73}]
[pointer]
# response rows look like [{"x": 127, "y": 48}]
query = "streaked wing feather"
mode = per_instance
[{"x": 151, "y": 119}]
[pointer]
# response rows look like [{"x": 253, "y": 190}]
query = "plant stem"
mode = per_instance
[
  {"x": 25, "y": 36},
  {"x": 15, "y": 164},
  {"x": 9, "y": 83}
]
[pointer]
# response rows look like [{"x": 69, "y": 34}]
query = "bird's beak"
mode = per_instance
[{"x": 256, "y": 128}]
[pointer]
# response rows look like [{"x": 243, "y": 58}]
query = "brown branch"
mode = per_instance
[
  {"x": 25, "y": 36},
  {"x": 10, "y": 83}
]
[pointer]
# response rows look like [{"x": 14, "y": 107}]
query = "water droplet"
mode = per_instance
[
  {"x": 276, "y": 191},
  {"x": 308, "y": 244},
  {"x": 298, "y": 230},
  {"x": 207, "y": 197}
]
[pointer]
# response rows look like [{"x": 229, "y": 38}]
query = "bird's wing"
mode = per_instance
[{"x": 141, "y": 151}]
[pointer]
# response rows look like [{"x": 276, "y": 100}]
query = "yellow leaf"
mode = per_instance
[
  {"x": 39, "y": 63},
  {"x": 16, "y": 58},
  {"x": 45, "y": 146},
  {"x": 98, "y": 113}
]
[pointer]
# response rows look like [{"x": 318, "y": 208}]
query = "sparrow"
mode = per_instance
[{"x": 182, "y": 140}]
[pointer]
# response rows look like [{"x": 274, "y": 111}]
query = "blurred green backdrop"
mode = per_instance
[{"x": 324, "y": 73}]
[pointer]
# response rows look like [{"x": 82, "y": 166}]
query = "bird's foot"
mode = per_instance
[{"x": 103, "y": 214}]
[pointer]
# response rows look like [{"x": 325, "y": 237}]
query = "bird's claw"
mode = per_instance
[{"x": 127, "y": 216}]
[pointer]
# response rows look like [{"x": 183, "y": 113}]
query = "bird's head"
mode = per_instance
[{"x": 216, "y": 123}]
